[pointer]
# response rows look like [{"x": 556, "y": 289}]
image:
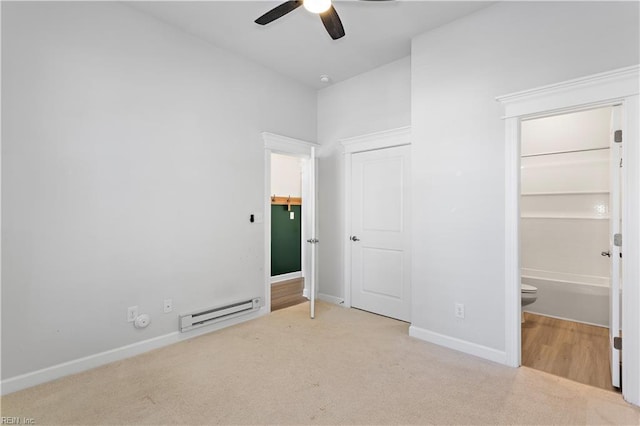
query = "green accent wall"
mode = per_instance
[{"x": 285, "y": 240}]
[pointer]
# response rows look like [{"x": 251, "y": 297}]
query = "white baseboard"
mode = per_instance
[
  {"x": 458, "y": 345},
  {"x": 79, "y": 365},
  {"x": 532, "y": 311},
  {"x": 330, "y": 299},
  {"x": 286, "y": 277}
]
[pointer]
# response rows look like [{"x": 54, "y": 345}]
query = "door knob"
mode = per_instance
[
  {"x": 605, "y": 253},
  {"x": 354, "y": 238}
]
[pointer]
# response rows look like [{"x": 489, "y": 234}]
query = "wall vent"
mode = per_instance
[{"x": 213, "y": 315}]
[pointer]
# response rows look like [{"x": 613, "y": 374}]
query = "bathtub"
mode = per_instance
[{"x": 574, "y": 300}]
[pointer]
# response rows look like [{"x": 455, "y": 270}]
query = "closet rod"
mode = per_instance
[{"x": 563, "y": 152}]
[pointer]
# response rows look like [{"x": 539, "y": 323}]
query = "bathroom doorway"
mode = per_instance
[
  {"x": 569, "y": 265},
  {"x": 617, "y": 87}
]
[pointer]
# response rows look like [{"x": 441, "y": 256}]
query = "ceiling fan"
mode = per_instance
[{"x": 324, "y": 8}]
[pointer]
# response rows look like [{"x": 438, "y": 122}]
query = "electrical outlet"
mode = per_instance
[
  {"x": 459, "y": 310},
  {"x": 132, "y": 313},
  {"x": 168, "y": 305}
]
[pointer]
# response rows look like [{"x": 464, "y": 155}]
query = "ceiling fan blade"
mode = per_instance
[
  {"x": 332, "y": 23},
  {"x": 278, "y": 12}
]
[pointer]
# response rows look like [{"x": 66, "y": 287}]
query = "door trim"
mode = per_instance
[
  {"x": 605, "y": 89},
  {"x": 369, "y": 142},
  {"x": 278, "y": 144}
]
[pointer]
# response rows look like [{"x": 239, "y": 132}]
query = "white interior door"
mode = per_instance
[
  {"x": 380, "y": 226},
  {"x": 614, "y": 249},
  {"x": 309, "y": 228}
]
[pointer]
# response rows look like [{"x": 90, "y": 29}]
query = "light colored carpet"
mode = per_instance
[{"x": 344, "y": 367}]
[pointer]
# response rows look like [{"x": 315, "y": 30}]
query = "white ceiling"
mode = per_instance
[{"x": 297, "y": 45}]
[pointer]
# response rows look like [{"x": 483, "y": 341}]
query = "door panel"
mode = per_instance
[
  {"x": 309, "y": 228},
  {"x": 383, "y": 270},
  {"x": 380, "y": 195},
  {"x": 380, "y": 281},
  {"x": 616, "y": 260}
]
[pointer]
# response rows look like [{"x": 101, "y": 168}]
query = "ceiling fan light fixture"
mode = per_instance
[{"x": 317, "y": 6}]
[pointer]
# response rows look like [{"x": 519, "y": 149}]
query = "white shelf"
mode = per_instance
[
  {"x": 563, "y": 193},
  {"x": 564, "y": 217}
]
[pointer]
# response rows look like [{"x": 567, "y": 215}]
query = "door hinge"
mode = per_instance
[
  {"x": 617, "y": 240},
  {"x": 617, "y": 136},
  {"x": 313, "y": 240},
  {"x": 617, "y": 343}
]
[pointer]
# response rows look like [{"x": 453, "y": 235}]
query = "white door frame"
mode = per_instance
[
  {"x": 369, "y": 142},
  {"x": 605, "y": 89},
  {"x": 277, "y": 144}
]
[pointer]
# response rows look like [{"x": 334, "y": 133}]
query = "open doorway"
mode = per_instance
[
  {"x": 569, "y": 207},
  {"x": 302, "y": 153},
  {"x": 615, "y": 87},
  {"x": 287, "y": 280}
]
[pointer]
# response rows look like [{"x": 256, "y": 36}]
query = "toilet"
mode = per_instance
[{"x": 528, "y": 294}]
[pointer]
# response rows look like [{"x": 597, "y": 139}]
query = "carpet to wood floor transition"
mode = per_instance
[{"x": 287, "y": 293}]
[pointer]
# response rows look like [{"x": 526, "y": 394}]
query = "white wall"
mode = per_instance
[
  {"x": 458, "y": 145},
  {"x": 564, "y": 211},
  {"x": 564, "y": 206},
  {"x": 566, "y": 132},
  {"x": 132, "y": 158},
  {"x": 286, "y": 176},
  {"x": 371, "y": 102}
]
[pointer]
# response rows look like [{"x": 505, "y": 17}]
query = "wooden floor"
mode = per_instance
[
  {"x": 573, "y": 350},
  {"x": 287, "y": 293}
]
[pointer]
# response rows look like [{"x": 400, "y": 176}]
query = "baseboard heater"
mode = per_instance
[{"x": 213, "y": 315}]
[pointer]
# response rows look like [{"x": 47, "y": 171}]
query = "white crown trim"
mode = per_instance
[
  {"x": 286, "y": 144},
  {"x": 606, "y": 86},
  {"x": 377, "y": 140}
]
